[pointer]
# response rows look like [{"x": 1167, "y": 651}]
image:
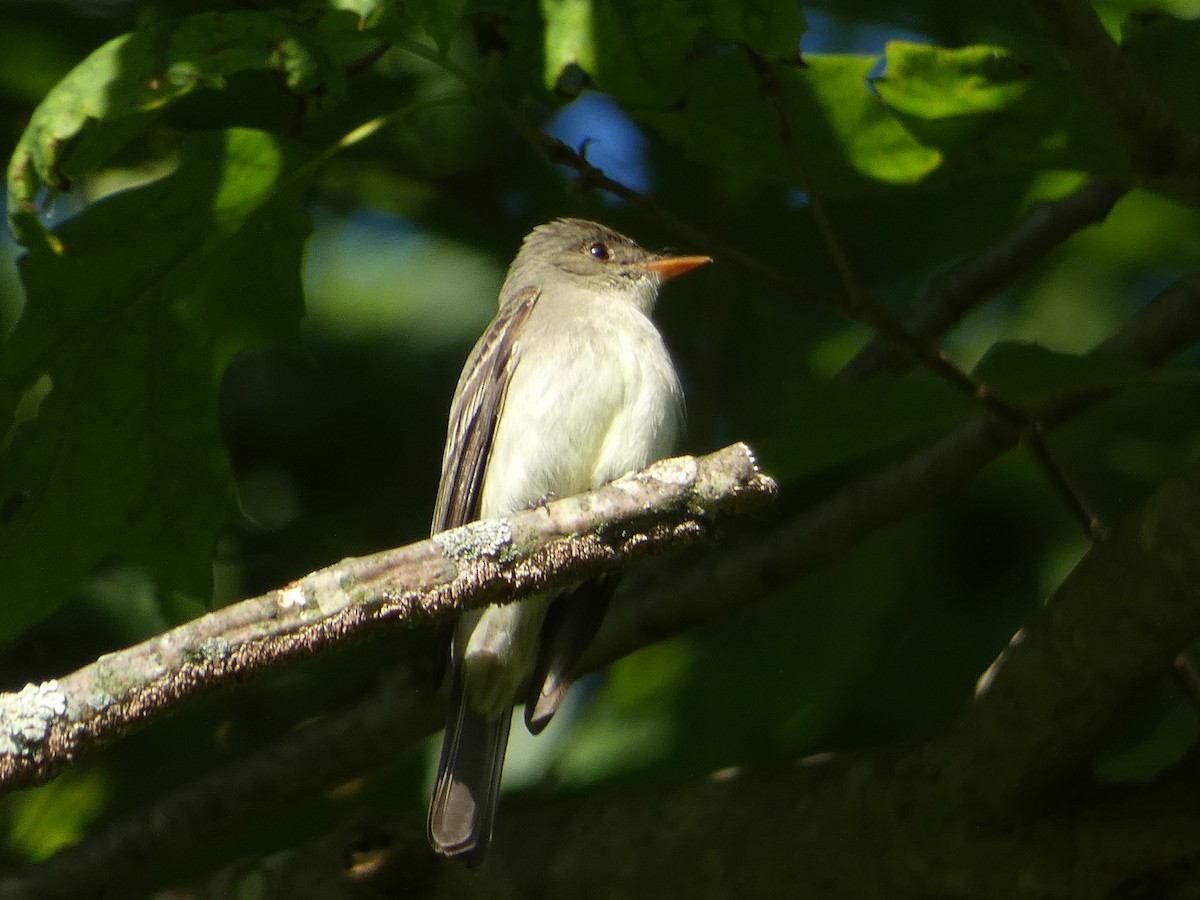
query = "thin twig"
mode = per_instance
[
  {"x": 707, "y": 588},
  {"x": 858, "y": 305},
  {"x": 588, "y": 176},
  {"x": 1156, "y": 143},
  {"x": 950, "y": 296},
  {"x": 861, "y": 306}
]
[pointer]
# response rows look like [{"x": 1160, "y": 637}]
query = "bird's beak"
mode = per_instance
[{"x": 673, "y": 266}]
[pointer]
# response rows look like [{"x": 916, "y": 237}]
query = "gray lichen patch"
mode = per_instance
[
  {"x": 27, "y": 716},
  {"x": 679, "y": 470},
  {"x": 328, "y": 591},
  {"x": 214, "y": 648},
  {"x": 492, "y": 539},
  {"x": 291, "y": 597}
]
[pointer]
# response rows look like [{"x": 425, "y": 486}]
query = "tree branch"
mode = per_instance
[
  {"x": 717, "y": 586},
  {"x": 953, "y": 294},
  {"x": 1155, "y": 141},
  {"x": 977, "y": 812},
  {"x": 709, "y": 587},
  {"x": 320, "y": 756},
  {"x": 588, "y": 177},
  {"x": 860, "y": 305},
  {"x": 844, "y": 827},
  {"x": 669, "y": 504}
]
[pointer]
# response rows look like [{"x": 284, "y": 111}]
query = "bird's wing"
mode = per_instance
[
  {"x": 475, "y": 412},
  {"x": 463, "y": 807}
]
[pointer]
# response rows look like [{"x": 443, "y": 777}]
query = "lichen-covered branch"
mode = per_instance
[
  {"x": 671, "y": 503},
  {"x": 1001, "y": 804},
  {"x": 707, "y": 588},
  {"x": 328, "y": 751}
]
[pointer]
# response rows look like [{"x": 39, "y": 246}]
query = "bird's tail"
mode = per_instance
[{"x": 463, "y": 808}]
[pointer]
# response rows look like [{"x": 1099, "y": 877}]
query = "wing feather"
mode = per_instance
[{"x": 476, "y": 410}]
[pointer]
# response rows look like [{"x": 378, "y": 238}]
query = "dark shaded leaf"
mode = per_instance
[{"x": 130, "y": 329}]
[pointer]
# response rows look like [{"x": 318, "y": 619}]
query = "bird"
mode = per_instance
[{"x": 569, "y": 387}]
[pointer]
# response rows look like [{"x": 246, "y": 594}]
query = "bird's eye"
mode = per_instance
[{"x": 599, "y": 251}]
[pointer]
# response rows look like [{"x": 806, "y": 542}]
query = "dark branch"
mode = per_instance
[
  {"x": 1157, "y": 145},
  {"x": 708, "y": 589},
  {"x": 952, "y": 295},
  {"x": 322, "y": 755},
  {"x": 978, "y": 812}
]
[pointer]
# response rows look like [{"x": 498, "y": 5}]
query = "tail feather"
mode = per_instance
[
  {"x": 463, "y": 808},
  {"x": 571, "y": 622}
]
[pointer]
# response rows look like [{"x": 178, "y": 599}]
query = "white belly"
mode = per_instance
[{"x": 609, "y": 405}]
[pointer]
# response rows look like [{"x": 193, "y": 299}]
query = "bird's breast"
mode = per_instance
[{"x": 593, "y": 395}]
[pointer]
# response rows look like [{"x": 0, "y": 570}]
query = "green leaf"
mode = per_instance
[
  {"x": 1028, "y": 373},
  {"x": 934, "y": 83},
  {"x": 771, "y": 27},
  {"x": 1163, "y": 50},
  {"x": 837, "y": 422},
  {"x": 641, "y": 54},
  {"x": 47, "y": 818},
  {"x": 845, "y": 137},
  {"x": 441, "y": 19},
  {"x": 939, "y": 117},
  {"x": 569, "y": 38},
  {"x": 987, "y": 112},
  {"x": 131, "y": 328},
  {"x": 112, "y": 96}
]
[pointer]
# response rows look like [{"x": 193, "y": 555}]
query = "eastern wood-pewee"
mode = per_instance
[{"x": 568, "y": 388}]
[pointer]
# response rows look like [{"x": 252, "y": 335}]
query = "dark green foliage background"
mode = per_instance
[{"x": 202, "y": 441}]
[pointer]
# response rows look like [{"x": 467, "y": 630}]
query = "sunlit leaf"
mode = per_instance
[
  {"x": 843, "y": 136},
  {"x": 935, "y": 83},
  {"x": 45, "y": 819},
  {"x": 570, "y": 37},
  {"x": 111, "y": 96}
]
